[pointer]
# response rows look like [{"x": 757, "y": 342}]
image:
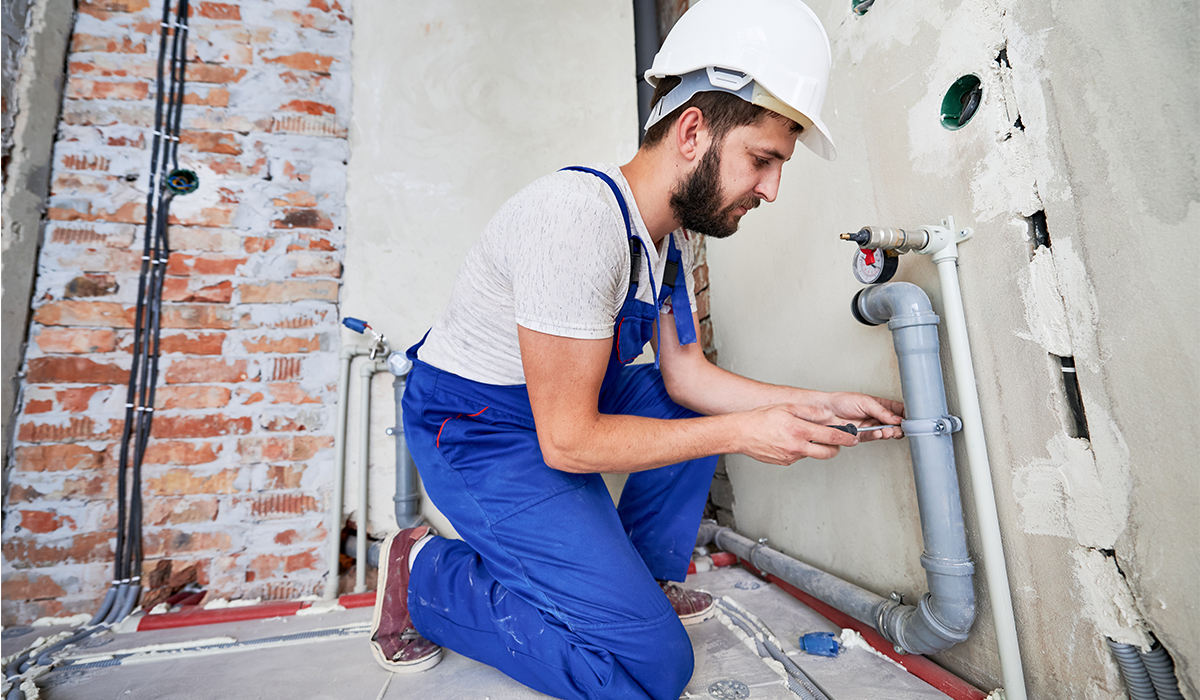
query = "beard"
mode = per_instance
[{"x": 696, "y": 202}]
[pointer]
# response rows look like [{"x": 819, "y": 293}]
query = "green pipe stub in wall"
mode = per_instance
[
  {"x": 182, "y": 181},
  {"x": 961, "y": 102}
]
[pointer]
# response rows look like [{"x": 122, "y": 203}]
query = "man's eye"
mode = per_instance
[{"x": 762, "y": 162}]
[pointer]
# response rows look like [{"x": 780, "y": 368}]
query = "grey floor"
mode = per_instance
[{"x": 326, "y": 656}]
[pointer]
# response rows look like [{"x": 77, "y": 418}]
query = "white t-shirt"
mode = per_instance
[{"x": 553, "y": 259}]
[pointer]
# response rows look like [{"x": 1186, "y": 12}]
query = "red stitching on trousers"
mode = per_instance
[{"x": 438, "y": 441}]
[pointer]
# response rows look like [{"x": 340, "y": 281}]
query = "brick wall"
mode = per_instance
[{"x": 240, "y": 463}]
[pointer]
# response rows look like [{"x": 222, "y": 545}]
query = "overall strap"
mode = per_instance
[{"x": 675, "y": 286}]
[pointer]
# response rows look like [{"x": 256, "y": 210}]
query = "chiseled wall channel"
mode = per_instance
[
  {"x": 239, "y": 467},
  {"x": 1084, "y": 117}
]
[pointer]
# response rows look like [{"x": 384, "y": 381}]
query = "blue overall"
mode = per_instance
[{"x": 550, "y": 583}]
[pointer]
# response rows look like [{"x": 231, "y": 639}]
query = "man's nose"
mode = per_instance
[{"x": 768, "y": 187}]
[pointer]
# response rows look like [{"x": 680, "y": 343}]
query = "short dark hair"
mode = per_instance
[{"x": 722, "y": 112}]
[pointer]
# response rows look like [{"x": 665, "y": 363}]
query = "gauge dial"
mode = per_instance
[{"x": 875, "y": 266}]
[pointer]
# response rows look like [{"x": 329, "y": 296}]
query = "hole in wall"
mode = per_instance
[
  {"x": 961, "y": 102},
  {"x": 1077, "y": 422},
  {"x": 1038, "y": 230},
  {"x": 860, "y": 7}
]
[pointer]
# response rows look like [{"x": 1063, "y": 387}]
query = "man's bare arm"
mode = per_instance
[{"x": 564, "y": 375}]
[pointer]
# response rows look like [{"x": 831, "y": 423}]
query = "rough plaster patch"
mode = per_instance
[
  {"x": 1045, "y": 311},
  {"x": 1107, "y": 600},
  {"x": 71, "y": 620},
  {"x": 860, "y": 36},
  {"x": 1071, "y": 494},
  {"x": 1082, "y": 306}
]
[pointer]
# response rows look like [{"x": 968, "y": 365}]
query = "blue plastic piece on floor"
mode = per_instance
[{"x": 820, "y": 643}]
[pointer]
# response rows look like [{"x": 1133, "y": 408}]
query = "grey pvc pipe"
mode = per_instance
[
  {"x": 1161, "y": 669},
  {"x": 407, "y": 498},
  {"x": 943, "y": 617},
  {"x": 1133, "y": 670}
]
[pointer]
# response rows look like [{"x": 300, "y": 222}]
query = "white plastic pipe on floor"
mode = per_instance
[{"x": 944, "y": 250}]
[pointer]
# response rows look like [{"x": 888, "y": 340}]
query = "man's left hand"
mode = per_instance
[{"x": 866, "y": 411}]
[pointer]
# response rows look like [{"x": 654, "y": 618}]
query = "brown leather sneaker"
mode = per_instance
[
  {"x": 395, "y": 643},
  {"x": 691, "y": 606}
]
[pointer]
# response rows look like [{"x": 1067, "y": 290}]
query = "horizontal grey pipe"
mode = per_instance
[
  {"x": 856, "y": 602},
  {"x": 1133, "y": 670}
]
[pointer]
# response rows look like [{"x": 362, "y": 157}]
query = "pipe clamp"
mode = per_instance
[{"x": 931, "y": 426}]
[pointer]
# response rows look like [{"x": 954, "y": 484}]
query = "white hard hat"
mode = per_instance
[{"x": 772, "y": 53}]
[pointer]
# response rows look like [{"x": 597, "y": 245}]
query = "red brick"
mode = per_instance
[
  {"x": 220, "y": 215},
  {"x": 61, "y": 340},
  {"x": 204, "y": 370},
  {"x": 101, "y": 8},
  {"x": 304, "y": 218},
  {"x": 53, "y": 458},
  {"x": 184, "y": 482},
  {"x": 259, "y": 245},
  {"x": 211, "y": 142},
  {"x": 216, "y": 10},
  {"x": 199, "y": 426},
  {"x": 177, "y": 511},
  {"x": 27, "y": 585},
  {"x": 263, "y": 566},
  {"x": 127, "y": 213},
  {"x": 91, "y": 285},
  {"x": 287, "y": 537},
  {"x": 209, "y": 240},
  {"x": 113, "y": 66},
  {"x": 185, "y": 290},
  {"x": 307, "y": 241},
  {"x": 252, "y": 397},
  {"x": 308, "y": 107},
  {"x": 214, "y": 97},
  {"x": 122, "y": 237},
  {"x": 280, "y": 476},
  {"x": 164, "y": 543},
  {"x": 290, "y": 392},
  {"x": 190, "y": 396},
  {"x": 299, "y": 198},
  {"x": 286, "y": 368},
  {"x": 78, "y": 399},
  {"x": 183, "y": 264},
  {"x": 303, "y": 560},
  {"x": 82, "y": 43},
  {"x": 189, "y": 344},
  {"x": 41, "y": 522},
  {"x": 304, "y": 61},
  {"x": 315, "y": 265},
  {"x": 75, "y": 161},
  {"x": 234, "y": 167},
  {"x": 85, "y": 313},
  {"x": 282, "y": 292},
  {"x": 84, "y": 547},
  {"x": 182, "y": 453},
  {"x": 197, "y": 316},
  {"x": 290, "y": 424},
  {"x": 282, "y": 449},
  {"x": 286, "y": 345},
  {"x": 281, "y": 504},
  {"x": 85, "y": 89},
  {"x": 209, "y": 73},
  {"x": 76, "y": 429},
  {"x": 700, "y": 277},
  {"x": 306, "y": 20},
  {"x": 74, "y": 369},
  {"x": 35, "y": 407}
]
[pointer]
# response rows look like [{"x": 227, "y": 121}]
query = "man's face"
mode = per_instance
[{"x": 733, "y": 176}]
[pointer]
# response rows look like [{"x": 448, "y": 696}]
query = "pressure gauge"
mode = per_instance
[{"x": 875, "y": 266}]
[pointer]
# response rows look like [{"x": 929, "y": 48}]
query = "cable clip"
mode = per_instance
[{"x": 931, "y": 426}]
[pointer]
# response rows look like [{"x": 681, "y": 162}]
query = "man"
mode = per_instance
[{"x": 520, "y": 396}]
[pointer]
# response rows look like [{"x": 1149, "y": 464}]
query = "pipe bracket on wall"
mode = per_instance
[{"x": 932, "y": 426}]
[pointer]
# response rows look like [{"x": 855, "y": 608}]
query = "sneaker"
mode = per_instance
[
  {"x": 691, "y": 606},
  {"x": 395, "y": 643}
]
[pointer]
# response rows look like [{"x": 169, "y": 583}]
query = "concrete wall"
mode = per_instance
[
  {"x": 457, "y": 105},
  {"x": 1088, "y": 115}
]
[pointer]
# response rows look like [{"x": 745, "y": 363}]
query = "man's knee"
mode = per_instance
[{"x": 662, "y": 661}]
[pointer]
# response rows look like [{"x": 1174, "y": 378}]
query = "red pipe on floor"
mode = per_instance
[
  {"x": 918, "y": 665},
  {"x": 200, "y": 616}
]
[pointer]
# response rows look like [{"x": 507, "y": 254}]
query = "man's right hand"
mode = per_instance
[{"x": 784, "y": 434}]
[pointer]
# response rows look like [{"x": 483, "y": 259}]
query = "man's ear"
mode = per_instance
[{"x": 691, "y": 133}]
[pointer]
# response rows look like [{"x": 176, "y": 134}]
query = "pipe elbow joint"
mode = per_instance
[
  {"x": 918, "y": 630},
  {"x": 898, "y": 304}
]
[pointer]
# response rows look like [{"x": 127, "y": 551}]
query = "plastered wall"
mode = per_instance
[
  {"x": 1085, "y": 116},
  {"x": 458, "y": 105}
]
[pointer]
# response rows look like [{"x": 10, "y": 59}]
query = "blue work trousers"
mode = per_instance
[{"x": 551, "y": 583}]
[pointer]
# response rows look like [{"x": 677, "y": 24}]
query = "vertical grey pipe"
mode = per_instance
[
  {"x": 1133, "y": 670},
  {"x": 645, "y": 44},
  {"x": 946, "y": 613},
  {"x": 407, "y": 498}
]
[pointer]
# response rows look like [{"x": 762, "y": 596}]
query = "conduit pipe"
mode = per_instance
[
  {"x": 345, "y": 356},
  {"x": 407, "y": 496},
  {"x": 366, "y": 371}
]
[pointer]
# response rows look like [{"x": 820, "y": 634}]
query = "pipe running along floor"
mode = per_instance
[{"x": 326, "y": 656}]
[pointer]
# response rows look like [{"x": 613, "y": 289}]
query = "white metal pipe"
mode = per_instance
[
  {"x": 345, "y": 356},
  {"x": 983, "y": 493},
  {"x": 366, "y": 371}
]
